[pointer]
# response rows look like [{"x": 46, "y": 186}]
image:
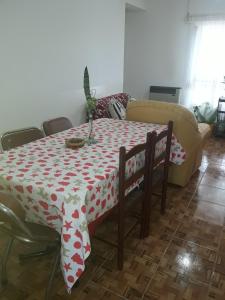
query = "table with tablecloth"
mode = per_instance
[{"x": 67, "y": 189}]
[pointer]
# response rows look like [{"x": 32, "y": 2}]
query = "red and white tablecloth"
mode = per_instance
[{"x": 67, "y": 189}]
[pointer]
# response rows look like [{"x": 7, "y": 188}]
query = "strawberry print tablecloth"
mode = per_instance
[{"x": 67, "y": 189}]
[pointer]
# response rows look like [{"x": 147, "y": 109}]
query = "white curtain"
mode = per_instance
[{"x": 207, "y": 63}]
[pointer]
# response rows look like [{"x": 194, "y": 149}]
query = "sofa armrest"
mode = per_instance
[{"x": 185, "y": 124}]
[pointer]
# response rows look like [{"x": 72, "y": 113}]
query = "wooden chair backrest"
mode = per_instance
[
  {"x": 164, "y": 157},
  {"x": 124, "y": 182}
]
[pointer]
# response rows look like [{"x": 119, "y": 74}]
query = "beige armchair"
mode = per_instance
[{"x": 190, "y": 134}]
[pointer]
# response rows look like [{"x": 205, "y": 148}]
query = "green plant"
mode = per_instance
[{"x": 91, "y": 101}]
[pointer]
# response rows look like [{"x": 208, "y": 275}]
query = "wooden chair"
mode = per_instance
[
  {"x": 19, "y": 137},
  {"x": 56, "y": 125},
  {"x": 127, "y": 183},
  {"x": 13, "y": 225},
  {"x": 158, "y": 173}
]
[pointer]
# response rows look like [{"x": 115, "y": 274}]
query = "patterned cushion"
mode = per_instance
[
  {"x": 117, "y": 110},
  {"x": 103, "y": 103}
]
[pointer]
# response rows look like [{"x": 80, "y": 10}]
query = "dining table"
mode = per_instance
[{"x": 67, "y": 189}]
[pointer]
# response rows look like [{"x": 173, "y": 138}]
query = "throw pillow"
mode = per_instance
[{"x": 116, "y": 110}]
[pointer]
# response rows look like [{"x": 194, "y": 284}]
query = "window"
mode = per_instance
[{"x": 207, "y": 63}]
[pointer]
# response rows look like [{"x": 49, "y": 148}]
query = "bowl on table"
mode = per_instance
[{"x": 74, "y": 143}]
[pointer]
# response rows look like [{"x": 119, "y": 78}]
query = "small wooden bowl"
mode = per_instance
[{"x": 74, "y": 143}]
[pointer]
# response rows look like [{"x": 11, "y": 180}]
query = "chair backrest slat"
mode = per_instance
[
  {"x": 135, "y": 150},
  {"x": 19, "y": 137},
  {"x": 164, "y": 156},
  {"x": 158, "y": 160},
  {"x": 124, "y": 182},
  {"x": 56, "y": 125},
  {"x": 133, "y": 178}
]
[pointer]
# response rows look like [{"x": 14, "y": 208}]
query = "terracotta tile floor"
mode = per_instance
[{"x": 183, "y": 258}]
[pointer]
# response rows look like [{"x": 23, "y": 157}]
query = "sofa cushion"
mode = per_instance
[{"x": 102, "y": 104}]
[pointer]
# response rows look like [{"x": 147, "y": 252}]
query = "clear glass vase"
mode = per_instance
[{"x": 90, "y": 140}]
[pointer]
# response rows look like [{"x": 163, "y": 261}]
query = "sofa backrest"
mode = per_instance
[
  {"x": 101, "y": 110},
  {"x": 185, "y": 125}
]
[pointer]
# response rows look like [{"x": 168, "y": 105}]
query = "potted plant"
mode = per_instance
[{"x": 90, "y": 105}]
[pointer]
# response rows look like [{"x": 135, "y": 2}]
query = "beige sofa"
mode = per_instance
[{"x": 190, "y": 134}]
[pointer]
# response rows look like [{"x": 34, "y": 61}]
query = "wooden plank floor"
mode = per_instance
[{"x": 183, "y": 258}]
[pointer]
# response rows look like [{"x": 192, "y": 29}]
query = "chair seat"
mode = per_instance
[
  {"x": 39, "y": 233},
  {"x": 43, "y": 233}
]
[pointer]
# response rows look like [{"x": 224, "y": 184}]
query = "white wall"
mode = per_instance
[
  {"x": 207, "y": 6},
  {"x": 157, "y": 43},
  {"x": 44, "y": 48},
  {"x": 135, "y": 4}
]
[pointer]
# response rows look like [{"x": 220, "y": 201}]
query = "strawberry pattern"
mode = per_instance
[{"x": 67, "y": 189}]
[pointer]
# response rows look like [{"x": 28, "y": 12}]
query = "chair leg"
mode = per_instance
[
  {"x": 5, "y": 257},
  {"x": 163, "y": 200},
  {"x": 145, "y": 219},
  {"x": 120, "y": 257},
  {"x": 52, "y": 275},
  {"x": 120, "y": 246},
  {"x": 164, "y": 191},
  {"x": 146, "y": 212}
]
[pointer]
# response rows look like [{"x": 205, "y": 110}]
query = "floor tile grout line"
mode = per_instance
[
  {"x": 90, "y": 280},
  {"x": 192, "y": 280},
  {"x": 191, "y": 198},
  {"x": 164, "y": 252},
  {"x": 214, "y": 264},
  {"x": 206, "y": 201},
  {"x": 196, "y": 188},
  {"x": 215, "y": 164},
  {"x": 216, "y": 250},
  {"x": 123, "y": 297},
  {"x": 102, "y": 287},
  {"x": 196, "y": 244},
  {"x": 114, "y": 293},
  {"x": 171, "y": 238},
  {"x": 216, "y": 187},
  {"x": 98, "y": 267},
  {"x": 198, "y": 184}
]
